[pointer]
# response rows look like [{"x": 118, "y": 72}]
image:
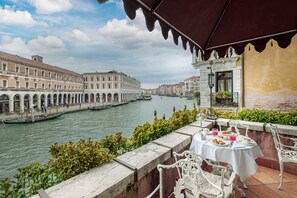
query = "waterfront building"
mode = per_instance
[
  {"x": 110, "y": 87},
  {"x": 179, "y": 89},
  {"x": 255, "y": 80},
  {"x": 192, "y": 85},
  {"x": 26, "y": 83},
  {"x": 31, "y": 83}
]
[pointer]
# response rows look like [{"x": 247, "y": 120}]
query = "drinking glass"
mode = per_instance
[
  {"x": 233, "y": 138},
  {"x": 215, "y": 132}
]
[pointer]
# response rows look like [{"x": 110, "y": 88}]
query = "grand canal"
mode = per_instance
[{"x": 23, "y": 144}]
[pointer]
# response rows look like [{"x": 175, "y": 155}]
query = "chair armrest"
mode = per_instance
[
  {"x": 287, "y": 146},
  {"x": 152, "y": 193},
  {"x": 231, "y": 179}
]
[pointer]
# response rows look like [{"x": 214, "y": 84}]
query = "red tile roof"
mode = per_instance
[{"x": 32, "y": 63}]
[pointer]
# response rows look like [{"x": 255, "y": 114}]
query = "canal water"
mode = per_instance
[{"x": 23, "y": 144}]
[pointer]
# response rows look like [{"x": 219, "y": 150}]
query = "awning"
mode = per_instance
[{"x": 218, "y": 24}]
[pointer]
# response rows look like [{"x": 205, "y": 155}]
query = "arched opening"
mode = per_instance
[
  {"x": 97, "y": 97},
  {"x": 4, "y": 103},
  {"x": 35, "y": 100},
  {"x": 91, "y": 97},
  {"x": 64, "y": 99},
  {"x": 116, "y": 97},
  {"x": 55, "y": 99},
  {"x": 16, "y": 103},
  {"x": 60, "y": 99},
  {"x": 49, "y": 101},
  {"x": 27, "y": 102},
  {"x": 69, "y": 98},
  {"x": 42, "y": 100},
  {"x": 86, "y": 98},
  {"x": 109, "y": 97},
  {"x": 72, "y": 98},
  {"x": 75, "y": 100},
  {"x": 104, "y": 97}
]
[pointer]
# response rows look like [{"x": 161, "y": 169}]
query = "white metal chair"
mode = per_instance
[
  {"x": 195, "y": 182},
  {"x": 286, "y": 150},
  {"x": 234, "y": 125}
]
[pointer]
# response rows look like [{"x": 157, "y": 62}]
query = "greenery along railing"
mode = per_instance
[{"x": 68, "y": 160}]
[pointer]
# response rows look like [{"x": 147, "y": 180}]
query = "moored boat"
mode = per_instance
[
  {"x": 27, "y": 120},
  {"x": 147, "y": 97},
  {"x": 100, "y": 108}
]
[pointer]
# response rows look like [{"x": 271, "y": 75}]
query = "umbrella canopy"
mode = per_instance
[{"x": 218, "y": 24}]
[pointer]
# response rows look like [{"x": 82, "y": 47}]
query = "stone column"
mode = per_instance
[
  {"x": 62, "y": 99},
  {"x": 11, "y": 107},
  {"x": 22, "y": 104},
  {"x": 39, "y": 102},
  {"x": 45, "y": 100}
]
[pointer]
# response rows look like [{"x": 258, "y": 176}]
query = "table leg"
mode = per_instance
[
  {"x": 244, "y": 185},
  {"x": 240, "y": 191}
]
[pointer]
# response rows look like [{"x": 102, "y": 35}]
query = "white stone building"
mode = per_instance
[
  {"x": 227, "y": 77},
  {"x": 113, "y": 86},
  {"x": 192, "y": 85}
]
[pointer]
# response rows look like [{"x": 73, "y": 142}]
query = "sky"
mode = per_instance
[{"x": 85, "y": 36}]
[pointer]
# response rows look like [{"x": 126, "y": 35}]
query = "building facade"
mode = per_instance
[
  {"x": 192, "y": 85},
  {"x": 254, "y": 80},
  {"x": 30, "y": 83},
  {"x": 113, "y": 86}
]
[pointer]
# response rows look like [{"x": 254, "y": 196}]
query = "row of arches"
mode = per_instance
[{"x": 22, "y": 102}]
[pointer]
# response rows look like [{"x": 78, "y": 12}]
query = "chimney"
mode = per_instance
[{"x": 37, "y": 58}]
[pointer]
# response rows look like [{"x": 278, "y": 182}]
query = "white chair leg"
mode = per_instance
[{"x": 281, "y": 167}]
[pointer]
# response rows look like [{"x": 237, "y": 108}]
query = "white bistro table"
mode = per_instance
[{"x": 241, "y": 157}]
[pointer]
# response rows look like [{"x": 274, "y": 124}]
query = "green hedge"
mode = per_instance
[
  {"x": 261, "y": 115},
  {"x": 70, "y": 159}
]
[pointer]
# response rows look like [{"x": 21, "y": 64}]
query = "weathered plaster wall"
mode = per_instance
[{"x": 270, "y": 78}]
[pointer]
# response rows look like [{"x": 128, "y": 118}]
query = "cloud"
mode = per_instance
[
  {"x": 79, "y": 35},
  {"x": 51, "y": 6},
  {"x": 10, "y": 17},
  {"x": 131, "y": 34},
  {"x": 49, "y": 44}
]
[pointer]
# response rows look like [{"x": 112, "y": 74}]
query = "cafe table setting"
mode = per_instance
[{"x": 225, "y": 146}]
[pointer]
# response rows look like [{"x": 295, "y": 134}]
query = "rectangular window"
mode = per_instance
[
  {"x": 35, "y": 86},
  {"x": 4, "y": 83},
  {"x": 17, "y": 69},
  {"x": 43, "y": 86},
  {"x": 35, "y": 72},
  {"x": 224, "y": 81},
  {"x": 17, "y": 84},
  {"x": 115, "y": 85},
  {"x": 27, "y": 85},
  {"x": 115, "y": 78},
  {"x": 49, "y": 87},
  {"x": 43, "y": 73},
  {"x": 91, "y": 86},
  {"x": 49, "y": 74},
  {"x": 27, "y": 71},
  {"x": 4, "y": 66}
]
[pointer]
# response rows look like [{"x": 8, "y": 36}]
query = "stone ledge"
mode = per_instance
[
  {"x": 176, "y": 141},
  {"x": 222, "y": 121},
  {"x": 146, "y": 158},
  {"x": 205, "y": 124},
  {"x": 255, "y": 126},
  {"x": 284, "y": 129},
  {"x": 189, "y": 130},
  {"x": 104, "y": 181}
]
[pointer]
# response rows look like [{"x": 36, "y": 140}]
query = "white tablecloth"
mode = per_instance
[{"x": 242, "y": 158}]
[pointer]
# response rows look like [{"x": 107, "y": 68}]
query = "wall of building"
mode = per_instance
[{"x": 270, "y": 77}]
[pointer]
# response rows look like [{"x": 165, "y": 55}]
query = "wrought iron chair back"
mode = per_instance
[{"x": 286, "y": 149}]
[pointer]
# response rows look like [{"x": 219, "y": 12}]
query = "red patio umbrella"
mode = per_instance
[{"x": 218, "y": 24}]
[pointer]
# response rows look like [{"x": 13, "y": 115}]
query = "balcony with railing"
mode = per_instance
[{"x": 225, "y": 99}]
